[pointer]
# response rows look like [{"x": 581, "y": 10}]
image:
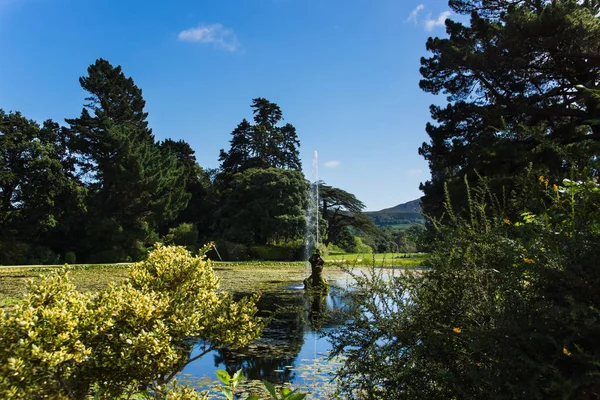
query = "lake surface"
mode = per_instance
[{"x": 293, "y": 347}]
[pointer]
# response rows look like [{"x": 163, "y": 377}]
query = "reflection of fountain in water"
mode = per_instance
[{"x": 311, "y": 233}]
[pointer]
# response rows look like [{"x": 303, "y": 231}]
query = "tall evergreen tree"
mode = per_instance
[
  {"x": 511, "y": 78},
  {"x": 261, "y": 187},
  {"x": 264, "y": 144},
  {"x": 113, "y": 100},
  {"x": 133, "y": 186}
]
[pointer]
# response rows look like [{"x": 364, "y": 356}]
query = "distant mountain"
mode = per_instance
[
  {"x": 410, "y": 206},
  {"x": 401, "y": 216}
]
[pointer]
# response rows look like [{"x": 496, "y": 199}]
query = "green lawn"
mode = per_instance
[
  {"x": 236, "y": 277},
  {"x": 379, "y": 259}
]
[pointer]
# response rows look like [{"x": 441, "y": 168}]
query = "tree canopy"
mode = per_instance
[
  {"x": 262, "y": 144},
  {"x": 103, "y": 189},
  {"x": 261, "y": 206},
  {"x": 201, "y": 207},
  {"x": 512, "y": 79},
  {"x": 37, "y": 191},
  {"x": 342, "y": 210},
  {"x": 133, "y": 185}
]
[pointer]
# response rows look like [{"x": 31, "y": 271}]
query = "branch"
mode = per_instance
[{"x": 166, "y": 380}]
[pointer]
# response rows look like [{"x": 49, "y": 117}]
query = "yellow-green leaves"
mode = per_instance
[{"x": 61, "y": 343}]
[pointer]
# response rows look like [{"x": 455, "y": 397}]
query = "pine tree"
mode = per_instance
[
  {"x": 133, "y": 186},
  {"x": 264, "y": 144},
  {"x": 511, "y": 79}
]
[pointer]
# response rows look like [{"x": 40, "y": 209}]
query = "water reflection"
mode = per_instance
[{"x": 291, "y": 344}]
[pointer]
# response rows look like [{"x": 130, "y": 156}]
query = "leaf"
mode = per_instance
[
  {"x": 227, "y": 392},
  {"x": 253, "y": 397},
  {"x": 285, "y": 392},
  {"x": 271, "y": 389},
  {"x": 296, "y": 396},
  {"x": 238, "y": 376},
  {"x": 223, "y": 376}
]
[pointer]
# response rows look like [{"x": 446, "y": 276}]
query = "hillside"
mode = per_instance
[
  {"x": 410, "y": 206},
  {"x": 401, "y": 216}
]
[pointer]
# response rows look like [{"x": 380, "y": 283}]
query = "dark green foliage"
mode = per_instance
[
  {"x": 70, "y": 257},
  {"x": 290, "y": 252},
  {"x": 261, "y": 189},
  {"x": 37, "y": 190},
  {"x": 508, "y": 309},
  {"x": 138, "y": 188},
  {"x": 203, "y": 200},
  {"x": 264, "y": 144},
  {"x": 13, "y": 252},
  {"x": 381, "y": 218},
  {"x": 133, "y": 186},
  {"x": 185, "y": 234},
  {"x": 391, "y": 240},
  {"x": 342, "y": 210},
  {"x": 229, "y": 251},
  {"x": 510, "y": 79},
  {"x": 354, "y": 244},
  {"x": 262, "y": 206},
  {"x": 113, "y": 100},
  {"x": 104, "y": 189}
]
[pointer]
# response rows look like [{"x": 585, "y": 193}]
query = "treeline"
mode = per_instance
[
  {"x": 102, "y": 189},
  {"x": 381, "y": 218}
]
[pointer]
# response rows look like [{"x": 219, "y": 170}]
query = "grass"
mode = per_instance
[
  {"x": 236, "y": 277},
  {"x": 379, "y": 259},
  {"x": 13, "y": 281}
]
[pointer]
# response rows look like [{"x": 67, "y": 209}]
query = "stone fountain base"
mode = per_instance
[{"x": 315, "y": 281}]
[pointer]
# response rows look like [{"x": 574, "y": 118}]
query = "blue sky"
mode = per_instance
[{"x": 345, "y": 73}]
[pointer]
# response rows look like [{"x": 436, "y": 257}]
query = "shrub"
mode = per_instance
[
  {"x": 509, "y": 308},
  {"x": 334, "y": 249},
  {"x": 185, "y": 234},
  {"x": 70, "y": 257},
  {"x": 108, "y": 256},
  {"x": 230, "y": 251},
  {"x": 42, "y": 255},
  {"x": 275, "y": 253},
  {"x": 360, "y": 247},
  {"x": 14, "y": 252},
  {"x": 133, "y": 337}
]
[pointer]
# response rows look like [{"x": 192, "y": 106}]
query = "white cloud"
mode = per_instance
[
  {"x": 414, "y": 172},
  {"x": 332, "y": 164},
  {"x": 430, "y": 24},
  {"x": 217, "y": 34},
  {"x": 413, "y": 14}
]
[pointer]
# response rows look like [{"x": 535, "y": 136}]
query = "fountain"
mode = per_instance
[
  {"x": 311, "y": 233},
  {"x": 311, "y": 236}
]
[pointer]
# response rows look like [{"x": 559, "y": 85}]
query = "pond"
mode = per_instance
[{"x": 293, "y": 348}]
